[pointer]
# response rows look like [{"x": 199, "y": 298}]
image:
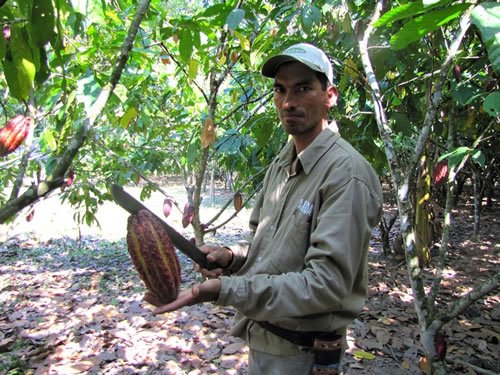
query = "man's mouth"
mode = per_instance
[{"x": 291, "y": 116}]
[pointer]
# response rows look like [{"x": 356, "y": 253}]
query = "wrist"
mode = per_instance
[
  {"x": 210, "y": 290},
  {"x": 231, "y": 256}
]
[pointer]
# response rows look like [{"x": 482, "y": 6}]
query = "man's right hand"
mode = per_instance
[{"x": 215, "y": 254}]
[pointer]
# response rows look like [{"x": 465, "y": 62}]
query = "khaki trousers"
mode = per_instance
[{"x": 261, "y": 363}]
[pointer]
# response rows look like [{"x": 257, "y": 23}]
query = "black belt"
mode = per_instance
[{"x": 299, "y": 338}]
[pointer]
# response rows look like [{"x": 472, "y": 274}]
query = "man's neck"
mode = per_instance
[{"x": 301, "y": 141}]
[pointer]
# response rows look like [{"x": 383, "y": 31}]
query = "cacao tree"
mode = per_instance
[
  {"x": 33, "y": 25},
  {"x": 444, "y": 26}
]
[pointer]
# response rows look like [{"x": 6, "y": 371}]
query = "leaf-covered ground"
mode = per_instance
[{"x": 73, "y": 305}]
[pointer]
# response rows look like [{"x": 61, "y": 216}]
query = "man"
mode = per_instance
[{"x": 303, "y": 277}]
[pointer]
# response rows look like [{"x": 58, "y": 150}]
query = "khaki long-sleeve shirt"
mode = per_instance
[{"x": 306, "y": 266}]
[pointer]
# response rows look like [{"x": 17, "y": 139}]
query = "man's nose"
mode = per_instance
[{"x": 289, "y": 100}]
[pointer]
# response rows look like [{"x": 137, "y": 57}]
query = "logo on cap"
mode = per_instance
[{"x": 295, "y": 50}]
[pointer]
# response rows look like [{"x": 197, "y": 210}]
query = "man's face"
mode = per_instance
[{"x": 301, "y": 102}]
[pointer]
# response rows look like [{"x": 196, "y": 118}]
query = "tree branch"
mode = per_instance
[
  {"x": 35, "y": 192},
  {"x": 463, "y": 302}
]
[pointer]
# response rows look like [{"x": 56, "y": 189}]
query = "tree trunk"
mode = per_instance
[
  {"x": 477, "y": 201},
  {"x": 403, "y": 181}
]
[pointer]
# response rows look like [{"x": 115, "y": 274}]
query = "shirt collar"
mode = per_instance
[{"x": 312, "y": 153}]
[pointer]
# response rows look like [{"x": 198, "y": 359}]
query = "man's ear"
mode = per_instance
[{"x": 332, "y": 95}]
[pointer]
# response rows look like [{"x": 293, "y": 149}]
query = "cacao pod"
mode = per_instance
[
  {"x": 457, "y": 72},
  {"x": 30, "y": 215},
  {"x": 6, "y": 33},
  {"x": 14, "y": 133},
  {"x": 187, "y": 216},
  {"x": 440, "y": 172},
  {"x": 153, "y": 256},
  {"x": 208, "y": 133},
  {"x": 70, "y": 178},
  {"x": 167, "y": 206},
  {"x": 238, "y": 202},
  {"x": 441, "y": 345},
  {"x": 234, "y": 56}
]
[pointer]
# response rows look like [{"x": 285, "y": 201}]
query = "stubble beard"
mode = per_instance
[{"x": 297, "y": 127}]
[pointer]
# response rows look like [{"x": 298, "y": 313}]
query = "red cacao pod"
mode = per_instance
[
  {"x": 167, "y": 206},
  {"x": 14, "y": 133},
  {"x": 30, "y": 215},
  {"x": 440, "y": 172},
  {"x": 188, "y": 214},
  {"x": 441, "y": 345},
  {"x": 153, "y": 256},
  {"x": 238, "y": 202},
  {"x": 71, "y": 178},
  {"x": 6, "y": 33}
]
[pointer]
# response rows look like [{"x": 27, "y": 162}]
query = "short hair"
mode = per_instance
[{"x": 323, "y": 80}]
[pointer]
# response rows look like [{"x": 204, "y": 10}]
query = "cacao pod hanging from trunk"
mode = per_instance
[
  {"x": 14, "y": 133},
  {"x": 187, "y": 215},
  {"x": 167, "y": 206},
  {"x": 440, "y": 172},
  {"x": 238, "y": 201},
  {"x": 154, "y": 257}
]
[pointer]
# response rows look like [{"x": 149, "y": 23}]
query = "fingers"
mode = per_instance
[
  {"x": 205, "y": 292},
  {"x": 211, "y": 274},
  {"x": 215, "y": 254},
  {"x": 185, "y": 298}
]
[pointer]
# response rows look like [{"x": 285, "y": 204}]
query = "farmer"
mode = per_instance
[{"x": 303, "y": 277}]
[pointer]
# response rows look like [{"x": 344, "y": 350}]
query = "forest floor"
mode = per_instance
[{"x": 71, "y": 302}]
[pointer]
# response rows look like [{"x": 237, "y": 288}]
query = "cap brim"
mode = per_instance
[{"x": 270, "y": 66}]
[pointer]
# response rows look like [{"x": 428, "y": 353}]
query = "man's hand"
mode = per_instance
[
  {"x": 204, "y": 292},
  {"x": 215, "y": 254}
]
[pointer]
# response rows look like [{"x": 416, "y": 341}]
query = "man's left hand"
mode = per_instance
[{"x": 205, "y": 292}]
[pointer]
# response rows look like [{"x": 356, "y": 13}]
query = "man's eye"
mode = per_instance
[
  {"x": 278, "y": 90},
  {"x": 304, "y": 88}
]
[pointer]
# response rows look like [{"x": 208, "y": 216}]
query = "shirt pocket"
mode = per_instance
[{"x": 290, "y": 243}]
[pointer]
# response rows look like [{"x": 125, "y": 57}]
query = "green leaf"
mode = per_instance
[
  {"x": 19, "y": 68},
  {"x": 121, "y": 92},
  {"x": 479, "y": 158},
  {"x": 486, "y": 17},
  {"x": 47, "y": 140},
  {"x": 88, "y": 89},
  {"x": 262, "y": 129},
  {"x": 402, "y": 124},
  {"x": 91, "y": 9},
  {"x": 405, "y": 11},
  {"x": 229, "y": 143},
  {"x": 42, "y": 22},
  {"x": 128, "y": 117},
  {"x": 186, "y": 45},
  {"x": 491, "y": 104},
  {"x": 234, "y": 19},
  {"x": 422, "y": 25},
  {"x": 456, "y": 156},
  {"x": 215, "y": 10},
  {"x": 363, "y": 355},
  {"x": 244, "y": 42},
  {"x": 311, "y": 16},
  {"x": 464, "y": 92},
  {"x": 44, "y": 71},
  {"x": 192, "y": 69}
]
